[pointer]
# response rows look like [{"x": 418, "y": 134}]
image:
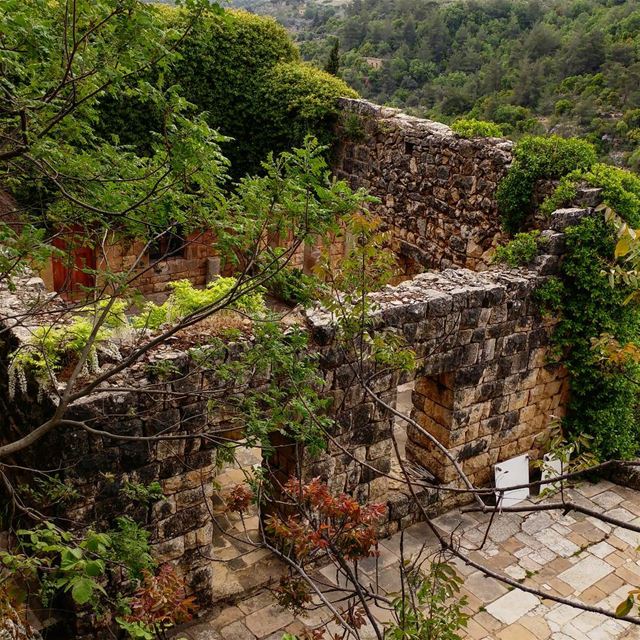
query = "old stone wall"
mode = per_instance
[
  {"x": 436, "y": 189},
  {"x": 198, "y": 261},
  {"x": 485, "y": 388}
]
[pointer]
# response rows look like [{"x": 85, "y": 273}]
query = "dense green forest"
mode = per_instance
[{"x": 563, "y": 66}]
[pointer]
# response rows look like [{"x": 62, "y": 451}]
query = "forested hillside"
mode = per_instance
[{"x": 565, "y": 66}]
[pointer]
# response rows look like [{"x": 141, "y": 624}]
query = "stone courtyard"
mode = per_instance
[{"x": 572, "y": 556}]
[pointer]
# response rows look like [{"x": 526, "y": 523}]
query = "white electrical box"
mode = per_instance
[{"x": 511, "y": 473}]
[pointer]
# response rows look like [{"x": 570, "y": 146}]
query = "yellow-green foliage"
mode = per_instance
[
  {"x": 300, "y": 99},
  {"x": 52, "y": 346},
  {"x": 471, "y": 128},
  {"x": 45, "y": 352},
  {"x": 186, "y": 299},
  {"x": 246, "y": 74}
]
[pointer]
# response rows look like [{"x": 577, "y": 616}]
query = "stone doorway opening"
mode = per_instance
[
  {"x": 404, "y": 405},
  {"x": 432, "y": 408}
]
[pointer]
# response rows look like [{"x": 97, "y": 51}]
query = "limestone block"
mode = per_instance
[{"x": 168, "y": 550}]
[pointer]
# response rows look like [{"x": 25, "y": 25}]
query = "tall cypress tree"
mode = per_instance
[{"x": 333, "y": 63}]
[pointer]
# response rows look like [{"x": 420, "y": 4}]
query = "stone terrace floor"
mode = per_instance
[{"x": 571, "y": 556}]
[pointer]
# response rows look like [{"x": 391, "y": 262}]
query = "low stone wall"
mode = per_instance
[{"x": 436, "y": 189}]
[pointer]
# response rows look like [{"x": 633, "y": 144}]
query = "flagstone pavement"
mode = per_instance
[{"x": 573, "y": 556}]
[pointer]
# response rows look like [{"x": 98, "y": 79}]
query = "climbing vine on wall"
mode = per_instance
[
  {"x": 603, "y": 396},
  {"x": 538, "y": 158},
  {"x": 588, "y": 300}
]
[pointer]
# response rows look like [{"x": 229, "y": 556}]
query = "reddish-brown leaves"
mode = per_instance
[
  {"x": 161, "y": 601},
  {"x": 338, "y": 523},
  {"x": 239, "y": 498}
]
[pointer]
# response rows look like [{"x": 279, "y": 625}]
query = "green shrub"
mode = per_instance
[
  {"x": 603, "y": 399},
  {"x": 519, "y": 251},
  {"x": 245, "y": 73},
  {"x": 536, "y": 158},
  {"x": 633, "y": 160},
  {"x": 49, "y": 347},
  {"x": 563, "y": 106},
  {"x": 471, "y": 128},
  {"x": 296, "y": 100},
  {"x": 512, "y": 115},
  {"x": 620, "y": 190}
]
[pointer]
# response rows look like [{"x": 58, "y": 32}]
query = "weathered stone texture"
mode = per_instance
[
  {"x": 436, "y": 189},
  {"x": 484, "y": 388}
]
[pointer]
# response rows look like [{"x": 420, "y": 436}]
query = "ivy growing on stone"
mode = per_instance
[
  {"x": 538, "y": 158},
  {"x": 603, "y": 398}
]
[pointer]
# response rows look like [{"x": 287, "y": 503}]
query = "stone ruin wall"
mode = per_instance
[
  {"x": 181, "y": 525},
  {"x": 199, "y": 261},
  {"x": 436, "y": 189},
  {"x": 485, "y": 386}
]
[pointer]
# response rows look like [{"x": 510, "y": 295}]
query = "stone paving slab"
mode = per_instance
[{"x": 573, "y": 556}]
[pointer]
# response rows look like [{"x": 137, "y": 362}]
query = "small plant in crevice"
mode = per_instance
[
  {"x": 574, "y": 453},
  {"x": 141, "y": 493},
  {"x": 294, "y": 287},
  {"x": 48, "y": 490},
  {"x": 289, "y": 284},
  {"x": 162, "y": 370},
  {"x": 130, "y": 547},
  {"x": 521, "y": 250},
  {"x": 354, "y": 127}
]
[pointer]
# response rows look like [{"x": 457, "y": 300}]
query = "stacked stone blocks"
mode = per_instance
[{"x": 436, "y": 189}]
